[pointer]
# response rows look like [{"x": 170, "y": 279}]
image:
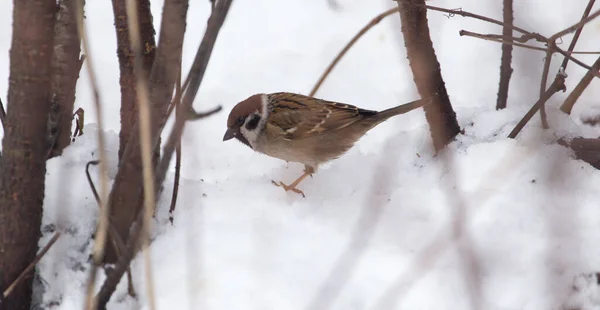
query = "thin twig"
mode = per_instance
[
  {"x": 177, "y": 154},
  {"x": 175, "y": 182},
  {"x": 558, "y": 84},
  {"x": 569, "y": 102},
  {"x": 500, "y": 39},
  {"x": 575, "y": 60},
  {"x": 145, "y": 143},
  {"x": 552, "y": 46},
  {"x": 354, "y": 39},
  {"x": 522, "y": 39},
  {"x": 586, "y": 13},
  {"x": 38, "y": 257},
  {"x": 506, "y": 58},
  {"x": 575, "y": 26},
  {"x": 174, "y": 100},
  {"x": 201, "y": 115},
  {"x": 452, "y": 12},
  {"x": 539, "y": 37},
  {"x": 462, "y": 13},
  {"x": 101, "y": 232}
]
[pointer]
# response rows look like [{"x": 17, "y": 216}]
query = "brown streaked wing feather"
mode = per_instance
[{"x": 310, "y": 116}]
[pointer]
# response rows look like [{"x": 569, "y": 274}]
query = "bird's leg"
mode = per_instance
[{"x": 292, "y": 187}]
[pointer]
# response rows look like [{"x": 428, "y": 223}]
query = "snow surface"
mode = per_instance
[{"x": 492, "y": 223}]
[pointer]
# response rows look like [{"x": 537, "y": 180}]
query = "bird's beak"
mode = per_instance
[{"x": 229, "y": 134}]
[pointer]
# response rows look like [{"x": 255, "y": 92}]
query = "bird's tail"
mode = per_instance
[{"x": 404, "y": 108}]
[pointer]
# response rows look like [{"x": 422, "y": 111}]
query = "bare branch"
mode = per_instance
[
  {"x": 460, "y": 12},
  {"x": 538, "y": 36},
  {"x": 200, "y": 115},
  {"x": 175, "y": 182},
  {"x": 586, "y": 13},
  {"x": 569, "y": 102},
  {"x": 574, "y": 27},
  {"x": 500, "y": 39},
  {"x": 177, "y": 103},
  {"x": 552, "y": 46}
]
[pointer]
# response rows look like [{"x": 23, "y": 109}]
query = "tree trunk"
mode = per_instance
[
  {"x": 125, "y": 199},
  {"x": 126, "y": 59},
  {"x": 23, "y": 162},
  {"x": 426, "y": 72},
  {"x": 65, "y": 73},
  {"x": 129, "y": 112},
  {"x": 506, "y": 59}
]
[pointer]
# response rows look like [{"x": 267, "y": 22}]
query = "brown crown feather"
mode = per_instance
[{"x": 244, "y": 108}]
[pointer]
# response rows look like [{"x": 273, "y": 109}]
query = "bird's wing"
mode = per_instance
[{"x": 300, "y": 116}]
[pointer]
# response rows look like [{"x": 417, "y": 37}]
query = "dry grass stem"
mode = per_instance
[
  {"x": 101, "y": 232},
  {"x": 144, "y": 120}
]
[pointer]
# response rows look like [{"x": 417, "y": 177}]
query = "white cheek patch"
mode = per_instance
[{"x": 253, "y": 135}]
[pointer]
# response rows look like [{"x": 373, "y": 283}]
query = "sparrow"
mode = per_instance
[{"x": 303, "y": 129}]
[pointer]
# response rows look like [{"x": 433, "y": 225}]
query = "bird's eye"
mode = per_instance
[{"x": 240, "y": 121}]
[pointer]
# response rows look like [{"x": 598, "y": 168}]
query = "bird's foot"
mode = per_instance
[{"x": 291, "y": 187}]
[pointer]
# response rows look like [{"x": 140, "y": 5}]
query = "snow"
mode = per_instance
[{"x": 492, "y": 223}]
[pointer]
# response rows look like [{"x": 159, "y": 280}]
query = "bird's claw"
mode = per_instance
[{"x": 288, "y": 188}]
